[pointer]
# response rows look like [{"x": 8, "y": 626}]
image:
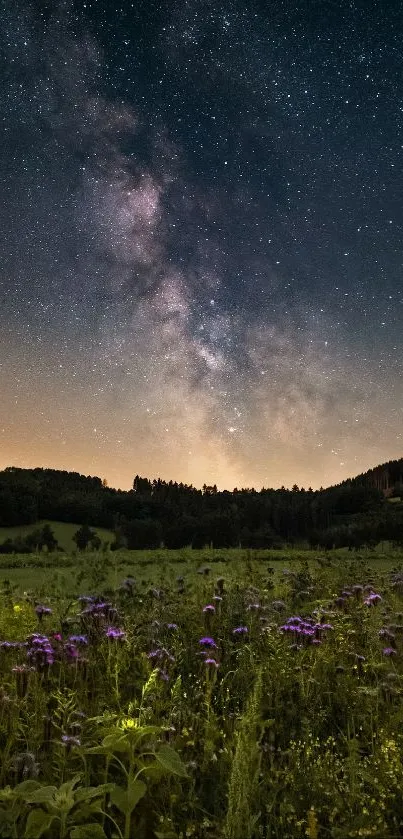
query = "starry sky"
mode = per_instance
[{"x": 201, "y": 239}]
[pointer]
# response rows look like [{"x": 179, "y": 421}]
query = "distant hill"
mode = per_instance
[
  {"x": 388, "y": 478},
  {"x": 63, "y": 531}
]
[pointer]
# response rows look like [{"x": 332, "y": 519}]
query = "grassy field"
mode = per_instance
[
  {"x": 201, "y": 695},
  {"x": 72, "y": 571}
]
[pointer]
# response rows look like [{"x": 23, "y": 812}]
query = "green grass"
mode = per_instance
[
  {"x": 75, "y": 572},
  {"x": 64, "y": 532}
]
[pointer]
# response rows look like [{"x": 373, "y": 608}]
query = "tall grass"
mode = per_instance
[{"x": 274, "y": 713}]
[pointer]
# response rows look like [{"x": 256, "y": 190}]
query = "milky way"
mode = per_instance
[{"x": 201, "y": 239}]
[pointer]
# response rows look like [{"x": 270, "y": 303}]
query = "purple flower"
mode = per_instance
[
  {"x": 160, "y": 654},
  {"x": 211, "y": 662},
  {"x": 78, "y": 639},
  {"x": 209, "y": 609},
  {"x": 372, "y": 599},
  {"x": 41, "y": 611},
  {"x": 389, "y": 651},
  {"x": 71, "y": 651},
  {"x": 172, "y": 626},
  {"x": 115, "y": 634},
  {"x": 208, "y": 642},
  {"x": 240, "y": 630},
  {"x": 163, "y": 675},
  {"x": 69, "y": 741}
]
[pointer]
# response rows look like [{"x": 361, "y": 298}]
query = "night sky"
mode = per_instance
[{"x": 201, "y": 239}]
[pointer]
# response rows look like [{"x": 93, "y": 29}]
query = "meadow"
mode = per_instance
[{"x": 186, "y": 694}]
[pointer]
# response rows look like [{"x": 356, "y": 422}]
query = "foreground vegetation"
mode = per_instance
[{"x": 229, "y": 694}]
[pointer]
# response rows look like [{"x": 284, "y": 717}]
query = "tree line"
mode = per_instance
[{"x": 157, "y": 512}]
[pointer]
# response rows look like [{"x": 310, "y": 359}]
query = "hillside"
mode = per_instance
[
  {"x": 154, "y": 513},
  {"x": 63, "y": 531}
]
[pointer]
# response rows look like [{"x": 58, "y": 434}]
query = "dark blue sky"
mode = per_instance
[{"x": 201, "y": 238}]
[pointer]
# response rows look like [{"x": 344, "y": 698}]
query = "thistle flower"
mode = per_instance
[
  {"x": 240, "y": 630},
  {"x": 209, "y": 609},
  {"x": 389, "y": 651}
]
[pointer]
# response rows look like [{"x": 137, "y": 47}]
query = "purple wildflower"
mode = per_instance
[
  {"x": 372, "y": 599},
  {"x": 211, "y": 662},
  {"x": 240, "y": 630},
  {"x": 209, "y": 609},
  {"x": 389, "y": 651},
  {"x": 40, "y": 651},
  {"x": 42, "y": 610},
  {"x": 172, "y": 626},
  {"x": 163, "y": 675},
  {"x": 69, "y": 741},
  {"x": 78, "y": 639},
  {"x": 160, "y": 654},
  {"x": 208, "y": 642},
  {"x": 115, "y": 634},
  {"x": 71, "y": 651}
]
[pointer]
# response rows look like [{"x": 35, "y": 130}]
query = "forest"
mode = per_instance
[{"x": 360, "y": 512}]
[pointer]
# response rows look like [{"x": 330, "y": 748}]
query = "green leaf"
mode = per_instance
[
  {"x": 136, "y": 790},
  {"x": 88, "y": 831},
  {"x": 37, "y": 823},
  {"x": 127, "y": 799},
  {"x": 116, "y": 742},
  {"x": 119, "y": 798},
  {"x": 27, "y": 787},
  {"x": 169, "y": 759},
  {"x": 146, "y": 731},
  {"x": 44, "y": 795},
  {"x": 92, "y": 792}
]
